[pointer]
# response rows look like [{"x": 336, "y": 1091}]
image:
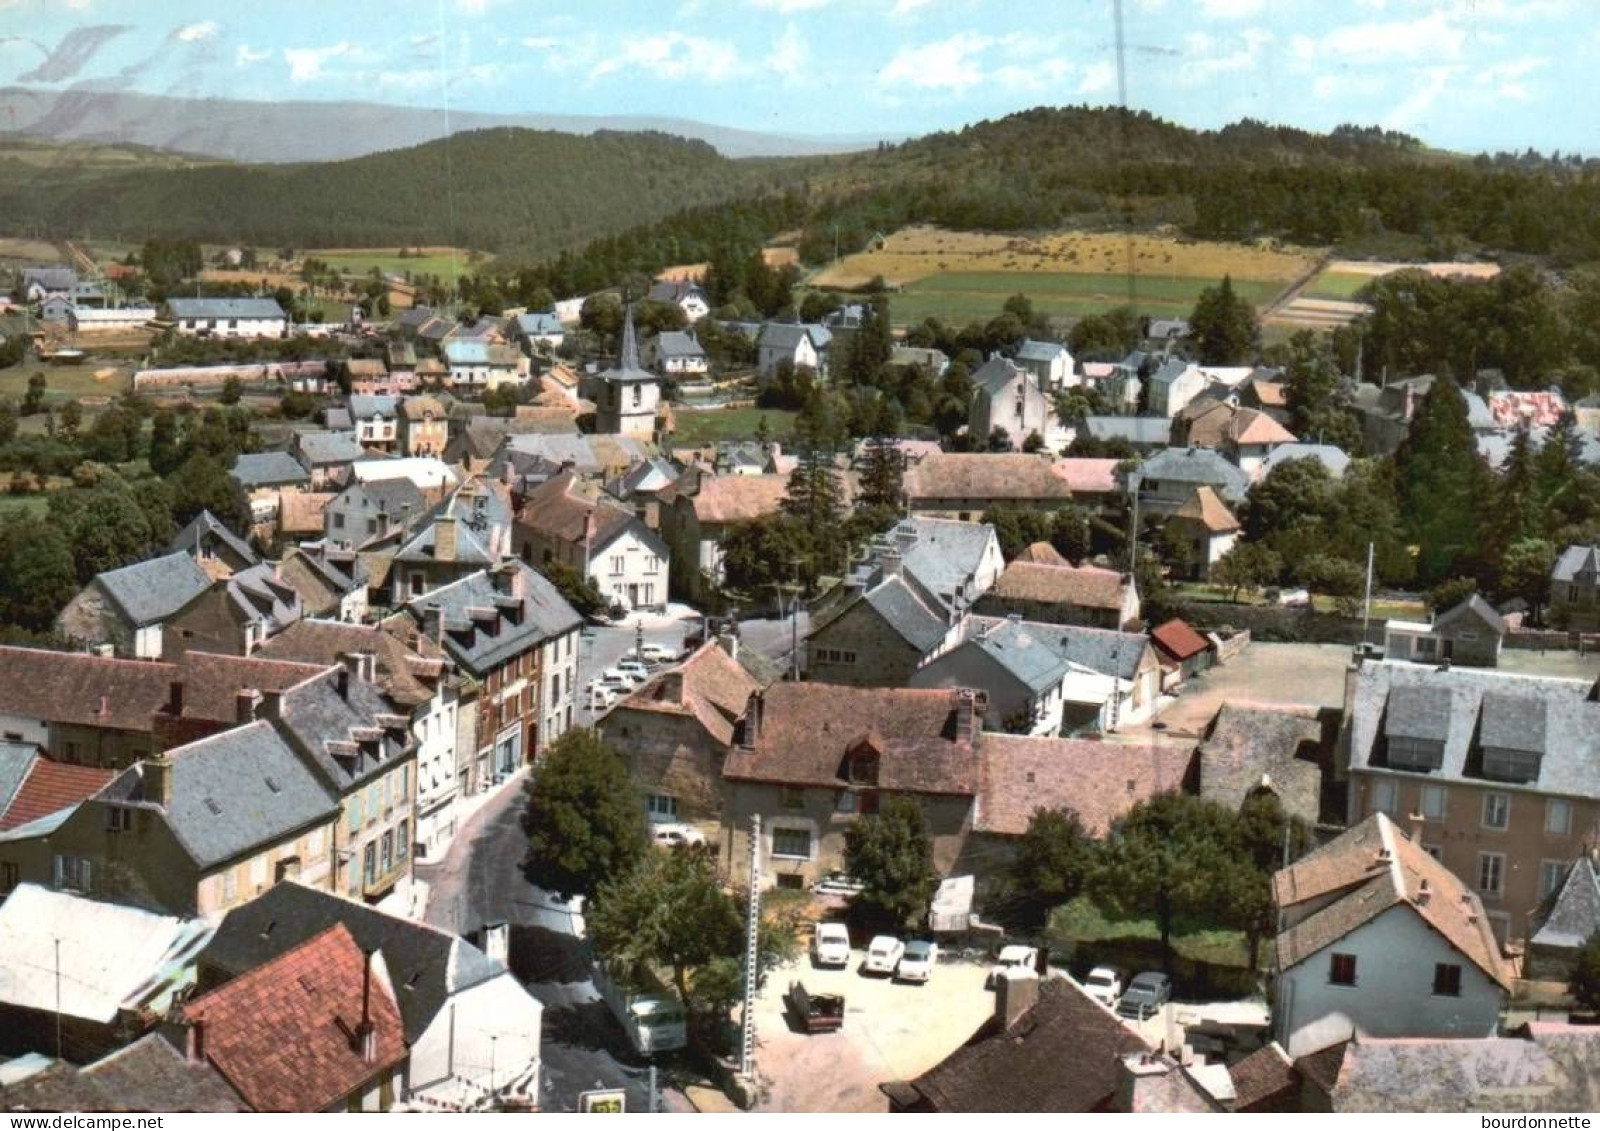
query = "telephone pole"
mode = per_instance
[{"x": 747, "y": 1027}]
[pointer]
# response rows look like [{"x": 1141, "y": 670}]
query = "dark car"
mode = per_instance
[{"x": 1145, "y": 996}]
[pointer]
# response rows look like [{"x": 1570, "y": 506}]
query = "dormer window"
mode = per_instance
[{"x": 1422, "y": 754}]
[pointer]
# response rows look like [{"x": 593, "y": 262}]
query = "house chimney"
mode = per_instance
[
  {"x": 175, "y": 698},
  {"x": 671, "y": 686},
  {"x": 156, "y": 774},
  {"x": 271, "y": 705},
  {"x": 362, "y": 665},
  {"x": 970, "y": 705},
  {"x": 444, "y": 539},
  {"x": 1424, "y": 893},
  {"x": 197, "y": 1040},
  {"x": 891, "y": 562},
  {"x": 245, "y": 701},
  {"x": 1015, "y": 992},
  {"x": 341, "y": 681},
  {"x": 728, "y": 641},
  {"x": 433, "y": 624}
]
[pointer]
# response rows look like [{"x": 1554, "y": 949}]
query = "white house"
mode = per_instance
[
  {"x": 377, "y": 421},
  {"x": 628, "y": 396},
  {"x": 428, "y": 473},
  {"x": 1178, "y": 382},
  {"x": 540, "y": 330},
  {"x": 802, "y": 346},
  {"x": 609, "y": 545},
  {"x": 87, "y": 319},
  {"x": 686, "y": 295},
  {"x": 1009, "y": 397},
  {"x": 675, "y": 353},
  {"x": 228, "y": 317},
  {"x": 1049, "y": 362},
  {"x": 475, "y": 364},
  {"x": 1378, "y": 939}
]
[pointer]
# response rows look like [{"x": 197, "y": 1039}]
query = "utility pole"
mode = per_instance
[
  {"x": 655, "y": 1097},
  {"x": 58, "y": 998},
  {"x": 747, "y": 1027},
  {"x": 1366, "y": 615}
]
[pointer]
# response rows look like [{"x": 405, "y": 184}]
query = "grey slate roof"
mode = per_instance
[
  {"x": 1103, "y": 650},
  {"x": 1572, "y": 915},
  {"x": 677, "y": 343},
  {"x": 330, "y": 447},
  {"x": 364, "y": 407},
  {"x": 998, "y": 372},
  {"x": 1472, "y": 605},
  {"x": 787, "y": 335},
  {"x": 268, "y": 469},
  {"x": 1575, "y": 561},
  {"x": 628, "y": 370},
  {"x": 233, "y": 793},
  {"x": 318, "y": 720},
  {"x": 1197, "y": 465},
  {"x": 338, "y": 419},
  {"x": 425, "y": 965},
  {"x": 1171, "y": 369},
  {"x": 1138, "y": 430},
  {"x": 1331, "y": 457},
  {"x": 50, "y": 278},
  {"x": 16, "y": 759},
  {"x": 1040, "y": 351},
  {"x": 204, "y": 529},
  {"x": 225, "y": 308},
  {"x": 1026, "y": 653},
  {"x": 1451, "y": 706},
  {"x": 941, "y": 554},
  {"x": 151, "y": 591},
  {"x": 906, "y": 613},
  {"x": 259, "y": 596},
  {"x": 480, "y": 645},
  {"x": 538, "y": 324}
]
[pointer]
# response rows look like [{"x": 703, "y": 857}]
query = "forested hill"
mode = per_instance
[
  {"x": 531, "y": 192},
  {"x": 639, "y": 201}
]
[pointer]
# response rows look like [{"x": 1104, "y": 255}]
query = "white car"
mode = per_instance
[
  {"x": 838, "y": 884},
  {"x": 657, "y": 654},
  {"x": 601, "y": 696},
  {"x": 1014, "y": 957},
  {"x": 830, "y": 946},
  {"x": 617, "y": 677},
  {"x": 883, "y": 955},
  {"x": 1104, "y": 985},
  {"x": 677, "y": 836},
  {"x": 634, "y": 668},
  {"x": 916, "y": 964}
]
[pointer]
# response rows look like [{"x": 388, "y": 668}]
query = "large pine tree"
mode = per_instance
[
  {"x": 1445, "y": 489},
  {"x": 1224, "y": 326}
]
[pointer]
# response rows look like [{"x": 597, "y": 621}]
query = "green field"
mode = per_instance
[
  {"x": 62, "y": 381},
  {"x": 434, "y": 261},
  {"x": 1336, "y": 284},
  {"x": 1080, "y": 921},
  {"x": 709, "y": 425},
  {"x": 961, "y": 297}
]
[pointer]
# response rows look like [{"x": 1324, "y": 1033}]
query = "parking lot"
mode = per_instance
[
  {"x": 892, "y": 1031},
  {"x": 602, "y": 647}
]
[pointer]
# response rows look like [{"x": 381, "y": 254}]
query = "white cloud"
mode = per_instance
[
  {"x": 674, "y": 55},
  {"x": 540, "y": 42},
  {"x": 1430, "y": 87},
  {"x": 1205, "y": 56},
  {"x": 906, "y": 7},
  {"x": 1098, "y": 77},
  {"x": 244, "y": 57},
  {"x": 789, "y": 7},
  {"x": 950, "y": 64},
  {"x": 1433, "y": 36},
  {"x": 1032, "y": 78},
  {"x": 194, "y": 33},
  {"x": 1325, "y": 87},
  {"x": 1505, "y": 79},
  {"x": 1232, "y": 9},
  {"x": 305, "y": 63},
  {"x": 791, "y": 55}
]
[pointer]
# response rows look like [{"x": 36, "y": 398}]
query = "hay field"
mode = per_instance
[{"x": 443, "y": 261}]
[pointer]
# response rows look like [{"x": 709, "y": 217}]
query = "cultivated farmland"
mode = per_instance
[{"x": 960, "y": 276}]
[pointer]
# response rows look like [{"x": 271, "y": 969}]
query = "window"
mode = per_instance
[
  {"x": 1433, "y": 799},
  {"x": 374, "y": 801},
  {"x": 791, "y": 844},
  {"x": 230, "y": 886},
  {"x": 338, "y": 520},
  {"x": 73, "y": 873},
  {"x": 652, "y": 565},
  {"x": 1551, "y": 873},
  {"x": 844, "y": 802},
  {"x": 1557, "y": 818},
  {"x": 662, "y": 806},
  {"x": 352, "y": 813},
  {"x": 638, "y": 395},
  {"x": 1496, "y": 811},
  {"x": 10, "y": 875},
  {"x": 118, "y": 819},
  {"x": 388, "y": 851},
  {"x": 402, "y": 840},
  {"x": 369, "y": 862},
  {"x": 616, "y": 563},
  {"x": 258, "y": 872},
  {"x": 1416, "y": 753},
  {"x": 1386, "y": 797},
  {"x": 1510, "y": 765},
  {"x": 1446, "y": 980},
  {"x": 1342, "y": 970},
  {"x": 792, "y": 797},
  {"x": 1491, "y": 873},
  {"x": 353, "y": 879}
]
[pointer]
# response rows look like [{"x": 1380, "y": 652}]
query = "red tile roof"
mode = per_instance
[
  {"x": 1086, "y": 587},
  {"x": 1099, "y": 781},
  {"x": 51, "y": 787},
  {"x": 710, "y": 685},
  {"x": 1041, "y": 553},
  {"x": 1178, "y": 641},
  {"x": 284, "y": 1035},
  {"x": 1088, "y": 476}
]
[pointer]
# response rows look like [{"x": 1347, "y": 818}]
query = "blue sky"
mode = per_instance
[{"x": 1463, "y": 74}]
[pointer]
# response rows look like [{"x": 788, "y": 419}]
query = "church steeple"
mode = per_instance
[{"x": 630, "y": 344}]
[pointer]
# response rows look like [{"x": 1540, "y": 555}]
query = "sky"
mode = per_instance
[{"x": 1469, "y": 75}]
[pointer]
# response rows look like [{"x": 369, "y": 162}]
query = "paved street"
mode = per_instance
[
  {"x": 480, "y": 881},
  {"x": 603, "y": 647},
  {"x": 772, "y": 636}
]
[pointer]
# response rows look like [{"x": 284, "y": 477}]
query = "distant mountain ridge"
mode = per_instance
[{"x": 290, "y": 132}]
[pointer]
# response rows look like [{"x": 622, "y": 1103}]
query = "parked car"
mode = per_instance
[
  {"x": 620, "y": 678},
  {"x": 1145, "y": 995},
  {"x": 657, "y": 654},
  {"x": 837, "y": 883},
  {"x": 883, "y": 955},
  {"x": 1014, "y": 957},
  {"x": 1104, "y": 985},
  {"x": 635, "y": 668},
  {"x": 677, "y": 836},
  {"x": 601, "y": 696},
  {"x": 830, "y": 945},
  {"x": 814, "y": 1013},
  {"x": 916, "y": 964}
]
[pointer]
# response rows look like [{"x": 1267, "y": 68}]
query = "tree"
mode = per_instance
[
  {"x": 232, "y": 390},
  {"x": 1584, "y": 985},
  {"x": 1441, "y": 481},
  {"x": 71, "y": 418},
  {"x": 584, "y": 818},
  {"x": 1333, "y": 577},
  {"x": 1525, "y": 572},
  {"x": 37, "y": 573},
  {"x": 104, "y": 525},
  {"x": 812, "y": 496},
  {"x": 1224, "y": 326},
  {"x": 1167, "y": 858},
  {"x": 579, "y": 591},
  {"x": 202, "y": 483},
  {"x": 891, "y": 854},
  {"x": 8, "y": 420},
  {"x": 883, "y": 467},
  {"x": 1267, "y": 838},
  {"x": 1247, "y": 565},
  {"x": 1052, "y": 864},
  {"x": 1105, "y": 336},
  {"x": 33, "y": 399},
  {"x": 165, "y": 455},
  {"x": 1448, "y": 594}
]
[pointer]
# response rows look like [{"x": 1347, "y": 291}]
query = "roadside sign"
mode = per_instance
[{"x": 611, "y": 1102}]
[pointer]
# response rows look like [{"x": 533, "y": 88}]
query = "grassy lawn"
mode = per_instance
[
  {"x": 1336, "y": 284},
  {"x": 433, "y": 261},
  {"x": 1202, "y": 594},
  {"x": 960, "y": 297},
  {"x": 1082, "y": 922},
  {"x": 66, "y": 380},
  {"x": 708, "y": 425}
]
